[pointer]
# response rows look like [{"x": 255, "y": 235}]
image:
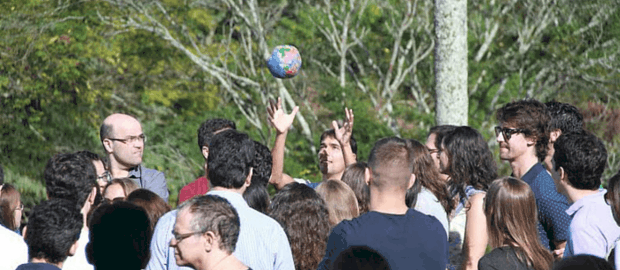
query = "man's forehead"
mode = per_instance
[{"x": 329, "y": 140}]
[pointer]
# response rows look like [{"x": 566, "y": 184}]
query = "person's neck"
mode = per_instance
[
  {"x": 521, "y": 165},
  {"x": 118, "y": 170},
  {"x": 387, "y": 202},
  {"x": 548, "y": 159},
  {"x": 85, "y": 210},
  {"x": 38, "y": 260},
  {"x": 573, "y": 194},
  {"x": 333, "y": 176},
  {"x": 240, "y": 190},
  {"x": 225, "y": 262}
]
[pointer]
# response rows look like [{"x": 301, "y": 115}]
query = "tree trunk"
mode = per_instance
[{"x": 451, "y": 62}]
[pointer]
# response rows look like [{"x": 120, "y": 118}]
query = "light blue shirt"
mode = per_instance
[
  {"x": 262, "y": 243},
  {"x": 593, "y": 229}
]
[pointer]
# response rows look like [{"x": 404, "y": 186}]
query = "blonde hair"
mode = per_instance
[
  {"x": 128, "y": 185},
  {"x": 340, "y": 199}
]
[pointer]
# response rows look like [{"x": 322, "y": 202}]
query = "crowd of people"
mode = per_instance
[{"x": 434, "y": 205}]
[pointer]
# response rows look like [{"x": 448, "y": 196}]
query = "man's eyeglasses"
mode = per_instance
[
  {"x": 105, "y": 177},
  {"x": 131, "y": 139},
  {"x": 19, "y": 207},
  {"x": 508, "y": 132},
  {"x": 183, "y": 236}
]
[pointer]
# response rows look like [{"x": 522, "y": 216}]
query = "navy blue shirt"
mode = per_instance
[
  {"x": 37, "y": 266},
  {"x": 553, "y": 221},
  {"x": 410, "y": 241}
]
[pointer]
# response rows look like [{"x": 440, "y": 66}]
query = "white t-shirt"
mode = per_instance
[{"x": 13, "y": 249}]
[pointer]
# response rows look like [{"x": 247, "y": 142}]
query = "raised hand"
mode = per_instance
[
  {"x": 343, "y": 134},
  {"x": 277, "y": 118}
]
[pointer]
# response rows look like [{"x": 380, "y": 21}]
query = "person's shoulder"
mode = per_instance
[
  {"x": 11, "y": 238},
  {"x": 148, "y": 172},
  {"x": 37, "y": 266},
  {"x": 196, "y": 185}
]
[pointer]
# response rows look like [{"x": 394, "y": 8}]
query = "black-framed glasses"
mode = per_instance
[
  {"x": 19, "y": 207},
  {"x": 508, "y": 132},
  {"x": 131, "y": 139},
  {"x": 180, "y": 237}
]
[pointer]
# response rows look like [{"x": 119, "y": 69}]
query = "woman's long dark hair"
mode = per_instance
[
  {"x": 427, "y": 176},
  {"x": 9, "y": 200},
  {"x": 470, "y": 162},
  {"x": 510, "y": 208}
]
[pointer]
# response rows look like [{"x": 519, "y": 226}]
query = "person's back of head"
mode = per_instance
[
  {"x": 154, "y": 205},
  {"x": 209, "y": 128},
  {"x": 440, "y": 132},
  {"x": 119, "y": 237},
  {"x": 470, "y": 161},
  {"x": 510, "y": 209},
  {"x": 70, "y": 177},
  {"x": 390, "y": 165},
  {"x": 353, "y": 176},
  {"x": 613, "y": 196},
  {"x": 231, "y": 155},
  {"x": 360, "y": 258},
  {"x": 119, "y": 188},
  {"x": 257, "y": 197},
  {"x": 304, "y": 216},
  {"x": 340, "y": 200},
  {"x": 532, "y": 117},
  {"x": 261, "y": 165},
  {"x": 564, "y": 117},
  {"x": 53, "y": 230},
  {"x": 582, "y": 157},
  {"x": 583, "y": 261}
]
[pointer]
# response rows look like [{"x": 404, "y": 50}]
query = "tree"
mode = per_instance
[{"x": 451, "y": 62}]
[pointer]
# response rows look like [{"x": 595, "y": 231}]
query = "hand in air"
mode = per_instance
[
  {"x": 343, "y": 134},
  {"x": 277, "y": 118}
]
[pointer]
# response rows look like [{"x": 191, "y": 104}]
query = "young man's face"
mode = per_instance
[
  {"x": 512, "y": 145},
  {"x": 331, "y": 159}
]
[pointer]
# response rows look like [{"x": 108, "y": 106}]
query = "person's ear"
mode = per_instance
[
  {"x": 563, "y": 176},
  {"x": 205, "y": 152},
  {"x": 93, "y": 195},
  {"x": 367, "y": 175},
  {"x": 210, "y": 241},
  {"x": 554, "y": 135},
  {"x": 73, "y": 248},
  {"x": 248, "y": 180},
  {"x": 107, "y": 145},
  {"x": 530, "y": 141},
  {"x": 411, "y": 181}
]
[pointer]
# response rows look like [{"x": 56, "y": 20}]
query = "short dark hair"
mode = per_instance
[
  {"x": 304, "y": 216},
  {"x": 360, "y": 258},
  {"x": 119, "y": 230},
  {"x": 564, "y": 117},
  {"x": 261, "y": 164},
  {"x": 215, "y": 214},
  {"x": 93, "y": 157},
  {"x": 583, "y": 157},
  {"x": 582, "y": 261},
  {"x": 391, "y": 162},
  {"x": 531, "y": 115},
  {"x": 71, "y": 177},
  {"x": 257, "y": 197},
  {"x": 332, "y": 134},
  {"x": 208, "y": 128},
  {"x": 105, "y": 131},
  {"x": 231, "y": 154},
  {"x": 470, "y": 161},
  {"x": 53, "y": 227},
  {"x": 440, "y": 132}
]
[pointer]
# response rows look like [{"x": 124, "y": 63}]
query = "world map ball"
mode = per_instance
[{"x": 285, "y": 62}]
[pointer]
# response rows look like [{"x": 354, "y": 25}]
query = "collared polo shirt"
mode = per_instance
[
  {"x": 553, "y": 221},
  {"x": 593, "y": 229},
  {"x": 150, "y": 179}
]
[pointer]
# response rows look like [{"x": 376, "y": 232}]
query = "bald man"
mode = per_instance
[{"x": 123, "y": 141}]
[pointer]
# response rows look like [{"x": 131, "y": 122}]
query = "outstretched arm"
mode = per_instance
[
  {"x": 476, "y": 237},
  {"x": 282, "y": 122},
  {"x": 343, "y": 135}
]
